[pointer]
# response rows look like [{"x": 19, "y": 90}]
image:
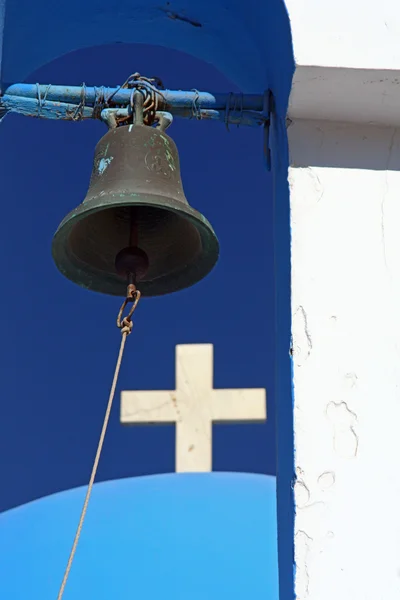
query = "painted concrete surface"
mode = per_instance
[
  {"x": 358, "y": 35},
  {"x": 347, "y": 59},
  {"x": 197, "y": 536},
  {"x": 194, "y": 406},
  {"x": 344, "y": 182},
  {"x": 345, "y": 210},
  {"x": 367, "y": 95},
  {"x": 251, "y": 44}
]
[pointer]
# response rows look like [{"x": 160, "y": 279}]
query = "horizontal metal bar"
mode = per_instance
[
  {"x": 121, "y": 97},
  {"x": 72, "y": 112},
  {"x": 49, "y": 110},
  {"x": 80, "y": 102},
  {"x": 247, "y": 117}
]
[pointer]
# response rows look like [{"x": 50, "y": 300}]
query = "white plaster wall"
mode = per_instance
[
  {"x": 347, "y": 56},
  {"x": 345, "y": 219},
  {"x": 351, "y": 95},
  {"x": 346, "y": 33}
]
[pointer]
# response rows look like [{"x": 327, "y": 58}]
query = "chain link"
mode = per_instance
[{"x": 150, "y": 88}]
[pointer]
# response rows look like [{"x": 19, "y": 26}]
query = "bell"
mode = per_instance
[{"x": 135, "y": 221}]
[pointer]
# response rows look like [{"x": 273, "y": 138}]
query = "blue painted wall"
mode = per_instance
[
  {"x": 248, "y": 42},
  {"x": 283, "y": 361},
  {"x": 55, "y": 383}
]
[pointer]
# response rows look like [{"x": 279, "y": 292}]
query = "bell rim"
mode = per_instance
[{"x": 194, "y": 272}]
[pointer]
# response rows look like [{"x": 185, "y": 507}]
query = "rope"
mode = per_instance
[
  {"x": 196, "y": 112},
  {"x": 41, "y": 101},
  {"x": 228, "y": 110},
  {"x": 80, "y": 109},
  {"x": 100, "y": 101},
  {"x": 126, "y": 327}
]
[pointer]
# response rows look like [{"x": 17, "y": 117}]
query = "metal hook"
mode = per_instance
[
  {"x": 164, "y": 120},
  {"x": 110, "y": 116},
  {"x": 137, "y": 105}
]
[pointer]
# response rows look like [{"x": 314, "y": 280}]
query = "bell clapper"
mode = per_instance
[
  {"x": 133, "y": 231},
  {"x": 132, "y": 262}
]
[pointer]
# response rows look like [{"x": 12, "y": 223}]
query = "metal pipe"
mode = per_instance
[
  {"x": 66, "y": 111},
  {"x": 121, "y": 97},
  {"x": 30, "y": 107},
  {"x": 235, "y": 117}
]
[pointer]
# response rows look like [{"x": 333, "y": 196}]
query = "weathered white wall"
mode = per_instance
[
  {"x": 345, "y": 219},
  {"x": 344, "y": 180},
  {"x": 352, "y": 34},
  {"x": 347, "y": 56}
]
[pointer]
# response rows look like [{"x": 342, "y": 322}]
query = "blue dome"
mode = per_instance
[{"x": 202, "y": 536}]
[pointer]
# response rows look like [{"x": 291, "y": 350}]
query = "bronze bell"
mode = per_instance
[{"x": 135, "y": 220}]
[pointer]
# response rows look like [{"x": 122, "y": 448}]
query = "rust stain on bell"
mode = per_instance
[{"x": 135, "y": 168}]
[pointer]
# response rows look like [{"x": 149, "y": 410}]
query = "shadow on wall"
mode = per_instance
[{"x": 345, "y": 145}]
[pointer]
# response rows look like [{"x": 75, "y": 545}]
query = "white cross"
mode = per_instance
[{"x": 194, "y": 406}]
